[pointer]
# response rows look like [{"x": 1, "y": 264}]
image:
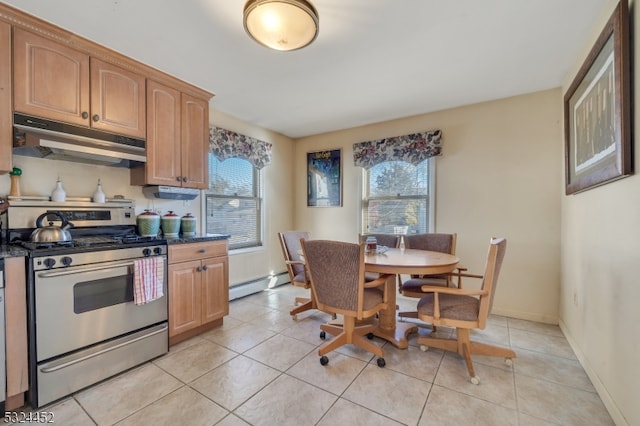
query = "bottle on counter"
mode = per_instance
[
  {"x": 99, "y": 196},
  {"x": 58, "y": 193}
]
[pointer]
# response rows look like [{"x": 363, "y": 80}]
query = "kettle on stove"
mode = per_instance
[{"x": 51, "y": 233}]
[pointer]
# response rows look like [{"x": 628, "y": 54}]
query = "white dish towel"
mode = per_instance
[{"x": 148, "y": 276}]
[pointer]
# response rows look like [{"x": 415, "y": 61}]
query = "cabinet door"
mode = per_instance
[
  {"x": 50, "y": 79},
  {"x": 215, "y": 288},
  {"x": 163, "y": 136},
  {"x": 195, "y": 142},
  {"x": 185, "y": 303},
  {"x": 6, "y": 134},
  {"x": 117, "y": 100},
  {"x": 16, "y": 326}
]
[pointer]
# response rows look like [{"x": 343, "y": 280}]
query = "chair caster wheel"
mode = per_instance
[
  {"x": 370, "y": 336},
  {"x": 424, "y": 348},
  {"x": 508, "y": 361},
  {"x": 475, "y": 380},
  {"x": 381, "y": 362},
  {"x": 324, "y": 360},
  {"x": 323, "y": 335}
]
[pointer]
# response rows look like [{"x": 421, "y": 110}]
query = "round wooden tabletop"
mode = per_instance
[{"x": 410, "y": 261}]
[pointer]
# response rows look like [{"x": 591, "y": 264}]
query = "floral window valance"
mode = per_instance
[
  {"x": 225, "y": 144},
  {"x": 412, "y": 148}
]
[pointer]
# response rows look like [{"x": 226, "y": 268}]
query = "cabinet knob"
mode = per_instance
[
  {"x": 201, "y": 250},
  {"x": 96, "y": 117},
  {"x": 205, "y": 267},
  {"x": 198, "y": 269},
  {"x": 85, "y": 115},
  {"x": 185, "y": 179},
  {"x": 179, "y": 178}
]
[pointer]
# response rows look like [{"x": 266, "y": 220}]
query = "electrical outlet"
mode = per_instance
[{"x": 186, "y": 203}]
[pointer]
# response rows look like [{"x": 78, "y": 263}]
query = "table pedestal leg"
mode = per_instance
[{"x": 388, "y": 328}]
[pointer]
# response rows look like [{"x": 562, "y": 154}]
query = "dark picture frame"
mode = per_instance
[
  {"x": 597, "y": 110},
  {"x": 324, "y": 178}
]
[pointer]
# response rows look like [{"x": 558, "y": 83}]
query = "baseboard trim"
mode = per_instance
[
  {"x": 237, "y": 291},
  {"x": 609, "y": 403}
]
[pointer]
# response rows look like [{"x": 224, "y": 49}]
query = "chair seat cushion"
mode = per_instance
[
  {"x": 414, "y": 285},
  {"x": 372, "y": 297},
  {"x": 452, "y": 306}
]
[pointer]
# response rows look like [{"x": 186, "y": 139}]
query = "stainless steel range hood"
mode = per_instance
[{"x": 36, "y": 137}]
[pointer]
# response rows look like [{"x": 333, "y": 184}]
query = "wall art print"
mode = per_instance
[
  {"x": 324, "y": 178},
  {"x": 597, "y": 111}
]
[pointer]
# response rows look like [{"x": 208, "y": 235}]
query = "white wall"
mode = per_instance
[
  {"x": 599, "y": 295},
  {"x": 498, "y": 176}
]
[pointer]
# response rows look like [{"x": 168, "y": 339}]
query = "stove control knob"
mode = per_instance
[
  {"x": 66, "y": 261},
  {"x": 146, "y": 252},
  {"x": 157, "y": 250},
  {"x": 48, "y": 262}
]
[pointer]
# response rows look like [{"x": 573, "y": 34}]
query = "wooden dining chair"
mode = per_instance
[
  {"x": 291, "y": 249},
  {"x": 465, "y": 310},
  {"x": 444, "y": 243},
  {"x": 336, "y": 271}
]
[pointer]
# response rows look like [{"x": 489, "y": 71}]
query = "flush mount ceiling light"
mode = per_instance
[{"x": 281, "y": 24}]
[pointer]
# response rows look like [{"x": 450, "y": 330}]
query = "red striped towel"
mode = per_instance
[{"x": 148, "y": 277}]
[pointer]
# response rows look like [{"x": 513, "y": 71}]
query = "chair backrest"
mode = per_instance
[
  {"x": 497, "y": 250},
  {"x": 388, "y": 240},
  {"x": 443, "y": 243},
  {"x": 290, "y": 243},
  {"x": 336, "y": 270}
]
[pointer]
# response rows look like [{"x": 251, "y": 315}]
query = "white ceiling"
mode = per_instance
[{"x": 373, "y": 60}]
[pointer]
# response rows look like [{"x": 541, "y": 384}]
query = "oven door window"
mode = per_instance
[{"x": 101, "y": 293}]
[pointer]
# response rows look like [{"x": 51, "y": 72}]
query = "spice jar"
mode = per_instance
[
  {"x": 148, "y": 224},
  {"x": 170, "y": 224},
  {"x": 188, "y": 225}
]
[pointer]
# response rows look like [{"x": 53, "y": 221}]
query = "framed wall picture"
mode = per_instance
[
  {"x": 324, "y": 178},
  {"x": 597, "y": 112}
]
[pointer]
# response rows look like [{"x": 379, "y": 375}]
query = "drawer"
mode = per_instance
[{"x": 194, "y": 251}]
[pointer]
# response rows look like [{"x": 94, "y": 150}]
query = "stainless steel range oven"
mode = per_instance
[{"x": 83, "y": 323}]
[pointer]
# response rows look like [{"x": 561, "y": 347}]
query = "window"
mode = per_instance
[
  {"x": 397, "y": 198},
  {"x": 233, "y": 202}
]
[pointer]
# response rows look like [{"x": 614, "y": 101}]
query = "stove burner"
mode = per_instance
[{"x": 31, "y": 245}]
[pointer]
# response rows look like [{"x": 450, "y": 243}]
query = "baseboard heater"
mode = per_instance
[{"x": 250, "y": 287}]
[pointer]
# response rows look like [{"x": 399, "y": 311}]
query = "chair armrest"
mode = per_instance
[
  {"x": 378, "y": 282},
  {"x": 452, "y": 290},
  {"x": 294, "y": 262}
]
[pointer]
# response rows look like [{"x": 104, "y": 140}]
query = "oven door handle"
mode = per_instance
[
  {"x": 63, "y": 272},
  {"x": 100, "y": 352}
]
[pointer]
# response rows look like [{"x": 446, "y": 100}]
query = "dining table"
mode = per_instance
[{"x": 401, "y": 261}]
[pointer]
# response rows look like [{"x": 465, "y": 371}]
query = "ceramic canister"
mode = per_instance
[
  {"x": 189, "y": 225},
  {"x": 148, "y": 223},
  {"x": 170, "y": 224}
]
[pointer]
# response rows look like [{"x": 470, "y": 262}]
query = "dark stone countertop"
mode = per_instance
[
  {"x": 11, "y": 251},
  {"x": 197, "y": 238}
]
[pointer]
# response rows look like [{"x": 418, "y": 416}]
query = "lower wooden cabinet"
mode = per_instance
[
  {"x": 16, "y": 331},
  {"x": 198, "y": 288}
]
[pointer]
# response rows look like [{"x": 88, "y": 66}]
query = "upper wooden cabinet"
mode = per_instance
[
  {"x": 177, "y": 139},
  {"x": 57, "y": 82},
  {"x": 5, "y": 98},
  {"x": 195, "y": 142}
]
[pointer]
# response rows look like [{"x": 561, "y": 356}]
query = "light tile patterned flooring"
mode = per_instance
[{"x": 262, "y": 368}]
